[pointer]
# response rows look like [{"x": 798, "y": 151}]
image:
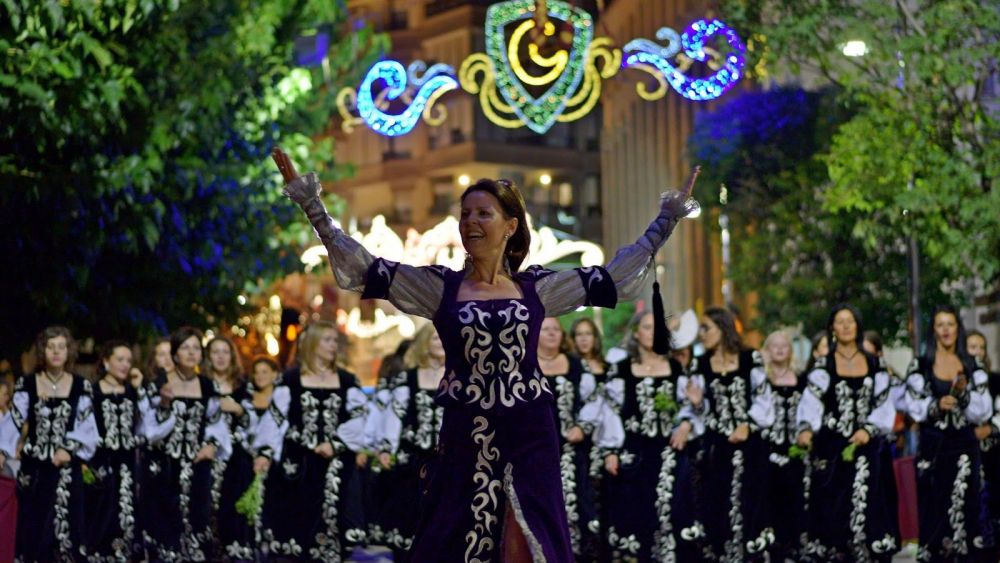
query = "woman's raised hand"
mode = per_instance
[
  {"x": 285, "y": 165},
  {"x": 677, "y": 204},
  {"x": 300, "y": 189}
]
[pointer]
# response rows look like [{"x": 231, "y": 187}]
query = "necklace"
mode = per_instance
[
  {"x": 550, "y": 359},
  {"x": 54, "y": 381},
  {"x": 185, "y": 378},
  {"x": 113, "y": 382},
  {"x": 846, "y": 357}
]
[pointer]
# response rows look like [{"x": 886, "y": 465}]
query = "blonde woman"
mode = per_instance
[
  {"x": 316, "y": 432},
  {"x": 407, "y": 439},
  {"x": 786, "y": 468}
]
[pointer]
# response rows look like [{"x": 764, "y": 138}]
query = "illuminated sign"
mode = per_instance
[{"x": 520, "y": 86}]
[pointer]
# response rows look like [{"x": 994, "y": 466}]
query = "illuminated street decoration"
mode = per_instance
[
  {"x": 654, "y": 59},
  {"x": 432, "y": 85},
  {"x": 520, "y": 86}
]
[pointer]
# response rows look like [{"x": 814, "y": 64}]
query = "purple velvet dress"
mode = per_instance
[{"x": 499, "y": 441}]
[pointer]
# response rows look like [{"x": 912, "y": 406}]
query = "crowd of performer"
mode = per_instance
[{"x": 733, "y": 455}]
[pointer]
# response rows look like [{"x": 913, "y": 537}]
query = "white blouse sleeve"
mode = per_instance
[
  {"x": 761, "y": 395},
  {"x": 11, "y": 423},
  {"x": 157, "y": 422},
  {"x": 694, "y": 415},
  {"x": 414, "y": 290},
  {"x": 882, "y": 418},
  {"x": 82, "y": 439},
  {"x": 217, "y": 431},
  {"x": 980, "y": 407},
  {"x": 394, "y": 403},
  {"x": 270, "y": 436},
  {"x": 610, "y": 431},
  {"x": 590, "y": 403},
  {"x": 809, "y": 414},
  {"x": 352, "y": 431}
]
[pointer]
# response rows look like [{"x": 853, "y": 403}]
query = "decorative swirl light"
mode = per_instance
[
  {"x": 395, "y": 77},
  {"x": 647, "y": 56},
  {"x": 571, "y": 75}
]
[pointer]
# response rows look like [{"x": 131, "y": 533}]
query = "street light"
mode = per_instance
[{"x": 854, "y": 48}]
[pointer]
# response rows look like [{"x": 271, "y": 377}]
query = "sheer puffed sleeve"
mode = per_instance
[
  {"x": 809, "y": 414},
  {"x": 625, "y": 277},
  {"x": 414, "y": 290},
  {"x": 270, "y": 436}
]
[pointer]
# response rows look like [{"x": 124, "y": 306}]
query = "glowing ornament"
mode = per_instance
[
  {"x": 435, "y": 82},
  {"x": 518, "y": 85},
  {"x": 651, "y": 57}
]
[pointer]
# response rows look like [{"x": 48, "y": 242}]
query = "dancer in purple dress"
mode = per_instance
[{"x": 493, "y": 491}]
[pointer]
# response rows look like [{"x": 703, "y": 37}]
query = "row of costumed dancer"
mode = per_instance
[{"x": 724, "y": 458}]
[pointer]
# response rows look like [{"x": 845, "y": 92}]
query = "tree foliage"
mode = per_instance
[
  {"x": 137, "y": 193},
  {"x": 919, "y": 155},
  {"x": 797, "y": 255}
]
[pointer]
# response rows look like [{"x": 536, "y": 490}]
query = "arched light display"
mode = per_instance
[{"x": 519, "y": 86}]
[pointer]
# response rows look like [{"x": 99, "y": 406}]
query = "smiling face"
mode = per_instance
[
  {"x": 119, "y": 363},
  {"x": 483, "y": 227},
  {"x": 263, "y": 375}
]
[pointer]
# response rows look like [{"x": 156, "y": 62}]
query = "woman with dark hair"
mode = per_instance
[
  {"x": 233, "y": 475},
  {"x": 732, "y": 495},
  {"x": 313, "y": 508},
  {"x": 409, "y": 425},
  {"x": 845, "y": 410},
  {"x": 948, "y": 394},
  {"x": 819, "y": 348},
  {"x": 495, "y": 489},
  {"x": 589, "y": 345},
  {"x": 53, "y": 410},
  {"x": 111, "y": 497},
  {"x": 184, "y": 432},
  {"x": 650, "y": 412}
]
